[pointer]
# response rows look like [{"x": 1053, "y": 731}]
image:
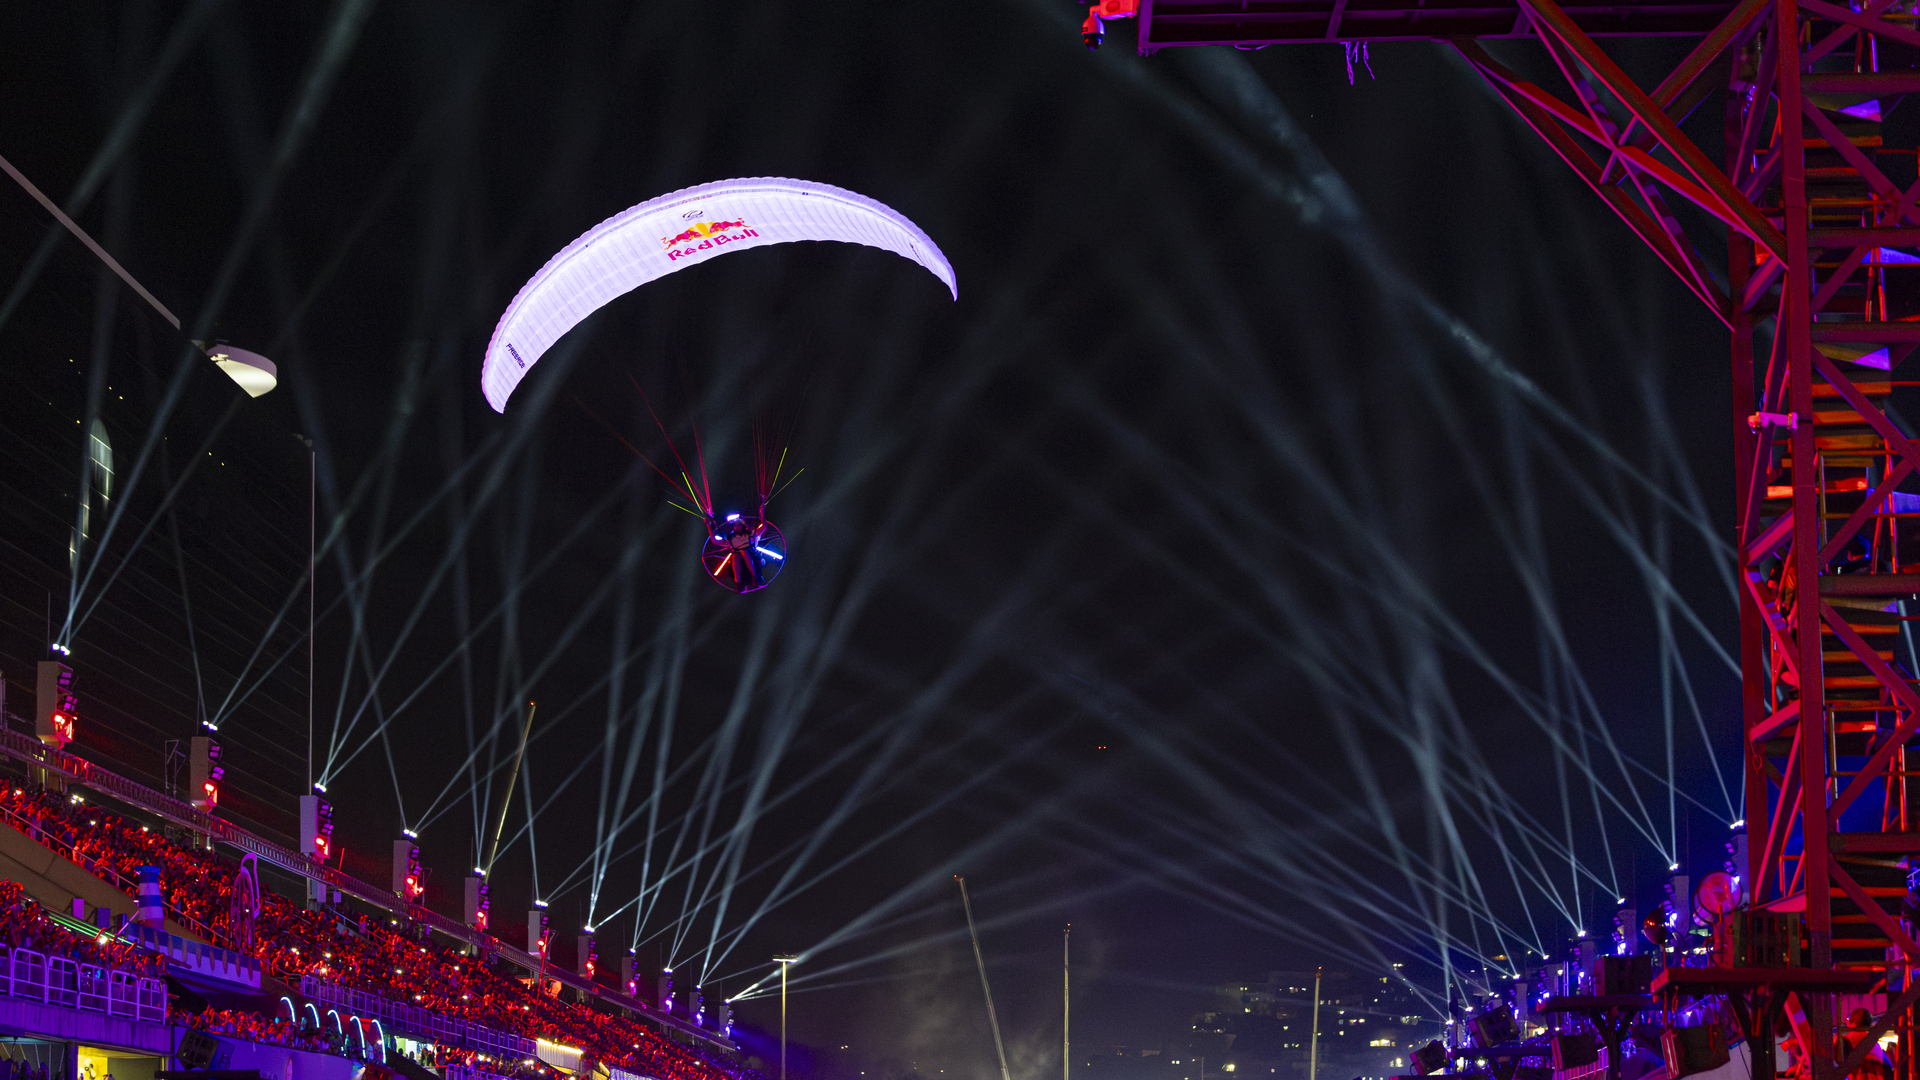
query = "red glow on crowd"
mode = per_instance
[{"x": 345, "y": 949}]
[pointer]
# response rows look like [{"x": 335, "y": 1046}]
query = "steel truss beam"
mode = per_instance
[
  {"x": 1811, "y": 216},
  {"x": 1820, "y": 290}
]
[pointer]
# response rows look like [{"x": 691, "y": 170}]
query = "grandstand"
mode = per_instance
[{"x": 212, "y": 973}]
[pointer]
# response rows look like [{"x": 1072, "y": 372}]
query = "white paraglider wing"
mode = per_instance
[{"x": 663, "y": 235}]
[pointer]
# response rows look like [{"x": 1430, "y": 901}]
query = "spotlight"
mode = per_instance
[
  {"x": 1673, "y": 866},
  {"x": 1740, "y": 824},
  {"x": 254, "y": 373},
  {"x": 409, "y": 834},
  {"x": 63, "y": 650},
  {"x": 321, "y": 788}
]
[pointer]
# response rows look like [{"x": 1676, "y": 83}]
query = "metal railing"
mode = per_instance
[
  {"x": 25, "y": 748},
  {"x": 206, "y": 959},
  {"x": 28, "y": 975},
  {"x": 102, "y": 869},
  {"x": 429, "y": 1026},
  {"x": 458, "y": 1072}
]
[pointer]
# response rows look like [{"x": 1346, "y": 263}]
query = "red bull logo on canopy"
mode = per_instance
[
  {"x": 693, "y": 225},
  {"x": 705, "y": 234}
]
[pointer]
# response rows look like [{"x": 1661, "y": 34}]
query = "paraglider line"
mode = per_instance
[
  {"x": 706, "y": 503},
  {"x": 778, "y": 467},
  {"x": 784, "y": 486},
  {"x": 700, "y": 457},
  {"x": 636, "y": 453},
  {"x": 786, "y": 444}
]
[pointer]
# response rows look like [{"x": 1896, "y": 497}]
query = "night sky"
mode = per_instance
[{"x": 1309, "y": 516}]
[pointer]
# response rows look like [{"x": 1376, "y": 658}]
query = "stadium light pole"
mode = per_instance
[
  {"x": 785, "y": 960},
  {"x": 313, "y": 504}
]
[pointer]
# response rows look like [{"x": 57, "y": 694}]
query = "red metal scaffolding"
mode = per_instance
[{"x": 1820, "y": 291}]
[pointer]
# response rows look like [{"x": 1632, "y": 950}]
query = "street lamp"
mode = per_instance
[
  {"x": 785, "y": 960},
  {"x": 255, "y": 373}
]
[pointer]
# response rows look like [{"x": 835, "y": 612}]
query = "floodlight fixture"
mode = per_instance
[{"x": 254, "y": 373}]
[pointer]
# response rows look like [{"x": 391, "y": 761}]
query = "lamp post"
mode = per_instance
[{"x": 785, "y": 960}]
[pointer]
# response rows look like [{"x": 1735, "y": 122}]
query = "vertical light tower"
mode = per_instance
[
  {"x": 54, "y": 708},
  {"x": 785, "y": 960},
  {"x": 474, "y": 909},
  {"x": 316, "y": 842},
  {"x": 204, "y": 771},
  {"x": 406, "y": 870},
  {"x": 537, "y": 933}
]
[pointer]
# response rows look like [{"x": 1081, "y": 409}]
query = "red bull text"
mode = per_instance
[{"x": 705, "y": 235}]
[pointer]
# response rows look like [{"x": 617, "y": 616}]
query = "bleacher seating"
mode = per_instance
[{"x": 483, "y": 1019}]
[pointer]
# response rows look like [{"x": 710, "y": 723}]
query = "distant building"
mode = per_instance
[{"x": 1264, "y": 1028}]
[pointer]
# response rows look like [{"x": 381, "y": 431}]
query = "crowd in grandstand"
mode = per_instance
[
  {"x": 114, "y": 849},
  {"x": 362, "y": 953},
  {"x": 25, "y": 924},
  {"x": 253, "y": 1027}
]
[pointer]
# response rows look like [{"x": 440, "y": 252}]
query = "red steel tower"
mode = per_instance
[{"x": 1820, "y": 293}]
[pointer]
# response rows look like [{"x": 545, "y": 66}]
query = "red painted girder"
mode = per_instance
[{"x": 1165, "y": 23}]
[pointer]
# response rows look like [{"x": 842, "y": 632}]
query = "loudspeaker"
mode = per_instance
[
  {"x": 1694, "y": 1049},
  {"x": 1574, "y": 1049},
  {"x": 1494, "y": 1027},
  {"x": 1623, "y": 974},
  {"x": 1430, "y": 1058},
  {"x": 196, "y": 1049}
]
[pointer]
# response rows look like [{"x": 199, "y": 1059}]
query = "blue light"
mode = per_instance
[
  {"x": 733, "y": 517},
  {"x": 769, "y": 554}
]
